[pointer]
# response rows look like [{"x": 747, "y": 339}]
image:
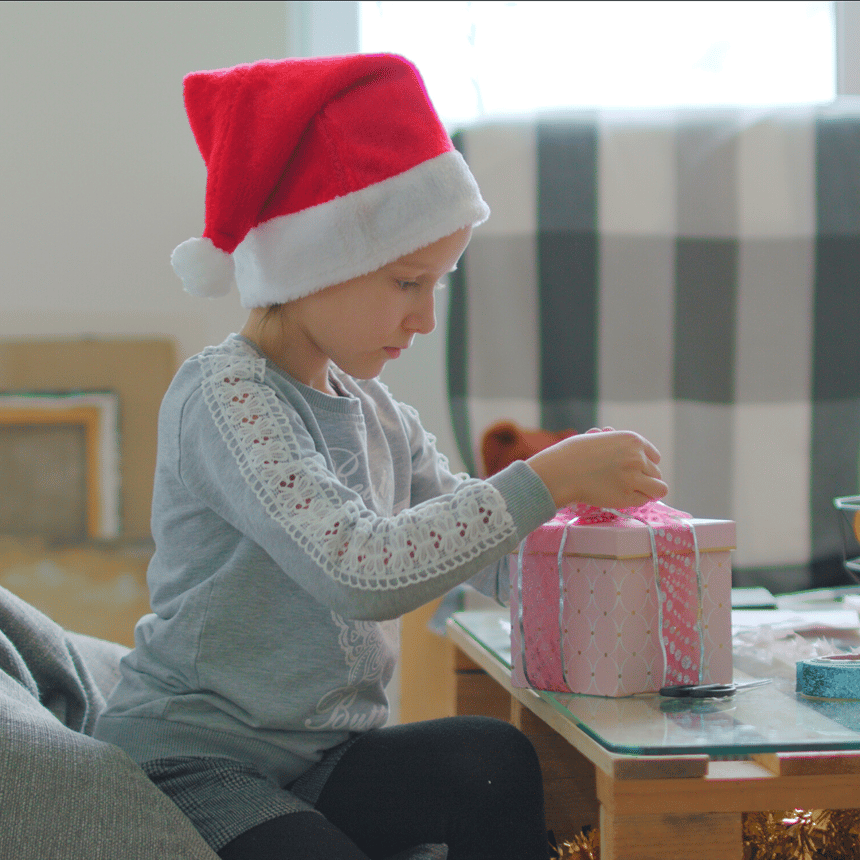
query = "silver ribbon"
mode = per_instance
[
  {"x": 561, "y": 545},
  {"x": 520, "y": 611}
]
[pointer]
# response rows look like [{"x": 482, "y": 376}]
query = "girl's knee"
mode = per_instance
[
  {"x": 496, "y": 747},
  {"x": 489, "y": 731}
]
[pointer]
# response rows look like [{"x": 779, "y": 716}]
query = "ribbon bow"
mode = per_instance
[{"x": 652, "y": 513}]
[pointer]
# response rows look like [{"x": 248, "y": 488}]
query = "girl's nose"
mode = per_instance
[{"x": 422, "y": 319}]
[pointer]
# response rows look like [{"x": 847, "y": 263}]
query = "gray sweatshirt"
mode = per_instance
[{"x": 292, "y": 529}]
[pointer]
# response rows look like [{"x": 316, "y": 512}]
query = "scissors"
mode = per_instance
[{"x": 709, "y": 691}]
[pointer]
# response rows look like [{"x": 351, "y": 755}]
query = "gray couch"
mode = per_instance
[{"x": 64, "y": 795}]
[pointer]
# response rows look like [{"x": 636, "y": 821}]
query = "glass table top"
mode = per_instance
[{"x": 769, "y": 718}]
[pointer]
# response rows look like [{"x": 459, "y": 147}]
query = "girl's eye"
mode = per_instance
[{"x": 408, "y": 285}]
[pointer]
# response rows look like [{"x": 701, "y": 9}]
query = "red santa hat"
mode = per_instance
[{"x": 318, "y": 170}]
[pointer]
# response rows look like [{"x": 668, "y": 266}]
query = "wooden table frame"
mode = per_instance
[{"x": 649, "y": 807}]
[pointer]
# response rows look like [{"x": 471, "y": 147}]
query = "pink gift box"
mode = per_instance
[{"x": 608, "y": 622}]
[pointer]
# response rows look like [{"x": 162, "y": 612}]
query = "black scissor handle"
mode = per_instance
[{"x": 699, "y": 691}]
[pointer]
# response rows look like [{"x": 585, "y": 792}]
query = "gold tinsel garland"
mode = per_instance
[
  {"x": 819, "y": 834},
  {"x": 583, "y": 846}
]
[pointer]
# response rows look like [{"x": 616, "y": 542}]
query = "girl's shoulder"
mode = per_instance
[
  {"x": 225, "y": 365},
  {"x": 233, "y": 357}
]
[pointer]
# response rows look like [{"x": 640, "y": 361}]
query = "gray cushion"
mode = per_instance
[{"x": 63, "y": 794}]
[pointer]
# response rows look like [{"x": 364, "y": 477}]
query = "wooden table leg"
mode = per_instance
[
  {"x": 705, "y": 836},
  {"x": 477, "y": 693},
  {"x": 570, "y": 800},
  {"x": 677, "y": 819}
]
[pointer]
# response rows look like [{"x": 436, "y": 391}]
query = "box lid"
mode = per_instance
[{"x": 621, "y": 537}]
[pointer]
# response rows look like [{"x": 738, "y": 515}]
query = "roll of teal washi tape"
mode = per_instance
[{"x": 834, "y": 677}]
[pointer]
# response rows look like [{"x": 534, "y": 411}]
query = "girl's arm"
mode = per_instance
[
  {"x": 252, "y": 461},
  {"x": 605, "y": 469}
]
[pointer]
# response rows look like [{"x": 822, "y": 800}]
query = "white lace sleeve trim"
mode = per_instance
[{"x": 351, "y": 544}]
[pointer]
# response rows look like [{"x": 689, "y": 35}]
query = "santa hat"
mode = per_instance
[{"x": 318, "y": 170}]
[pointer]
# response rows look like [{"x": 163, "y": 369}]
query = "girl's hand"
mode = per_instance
[{"x": 607, "y": 469}]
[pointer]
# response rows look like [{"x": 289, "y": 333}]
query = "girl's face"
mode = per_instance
[{"x": 362, "y": 323}]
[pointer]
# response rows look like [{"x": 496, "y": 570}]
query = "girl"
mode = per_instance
[{"x": 299, "y": 511}]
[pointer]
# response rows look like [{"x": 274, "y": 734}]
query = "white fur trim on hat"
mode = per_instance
[
  {"x": 294, "y": 255},
  {"x": 206, "y": 271}
]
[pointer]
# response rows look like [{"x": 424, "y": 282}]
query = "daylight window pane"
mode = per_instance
[{"x": 491, "y": 58}]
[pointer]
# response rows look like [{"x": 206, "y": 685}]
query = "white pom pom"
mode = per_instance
[{"x": 206, "y": 271}]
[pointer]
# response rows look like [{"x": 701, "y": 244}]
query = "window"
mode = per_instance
[{"x": 491, "y": 58}]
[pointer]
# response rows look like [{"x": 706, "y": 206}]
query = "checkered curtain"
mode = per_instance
[{"x": 693, "y": 275}]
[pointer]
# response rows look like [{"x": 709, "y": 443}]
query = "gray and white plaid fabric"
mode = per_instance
[
  {"x": 689, "y": 274},
  {"x": 225, "y": 798},
  {"x": 222, "y": 798}
]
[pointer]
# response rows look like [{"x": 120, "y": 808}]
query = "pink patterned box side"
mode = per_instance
[{"x": 609, "y": 622}]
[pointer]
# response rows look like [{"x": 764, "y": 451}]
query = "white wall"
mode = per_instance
[{"x": 101, "y": 177}]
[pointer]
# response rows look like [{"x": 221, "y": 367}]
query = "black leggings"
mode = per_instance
[{"x": 471, "y": 783}]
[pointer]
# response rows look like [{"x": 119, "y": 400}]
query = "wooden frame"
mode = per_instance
[
  {"x": 138, "y": 371},
  {"x": 96, "y": 413}
]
